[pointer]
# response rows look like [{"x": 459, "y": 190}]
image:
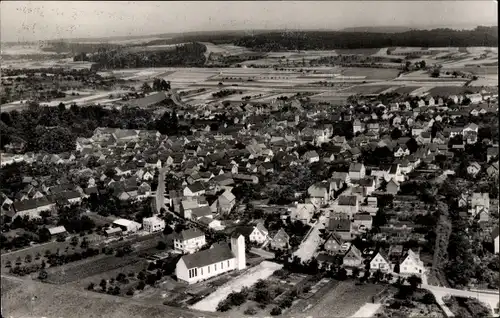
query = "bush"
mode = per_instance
[
  {"x": 141, "y": 285},
  {"x": 250, "y": 311},
  {"x": 90, "y": 286},
  {"x": 130, "y": 292},
  {"x": 161, "y": 245},
  {"x": 276, "y": 311},
  {"x": 428, "y": 298},
  {"x": 223, "y": 306}
]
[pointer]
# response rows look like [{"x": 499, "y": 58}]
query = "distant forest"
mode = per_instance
[
  {"x": 190, "y": 55},
  {"x": 325, "y": 40}
]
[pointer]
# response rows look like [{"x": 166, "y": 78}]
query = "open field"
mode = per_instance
[
  {"x": 250, "y": 277},
  {"x": 487, "y": 80},
  {"x": 451, "y": 90},
  {"x": 27, "y": 298},
  {"x": 371, "y": 73},
  {"x": 93, "y": 266},
  {"x": 344, "y": 300},
  {"x": 366, "y": 51},
  {"x": 366, "y": 89}
]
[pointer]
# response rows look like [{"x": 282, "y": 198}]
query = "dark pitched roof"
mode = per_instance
[
  {"x": 30, "y": 204},
  {"x": 216, "y": 254},
  {"x": 196, "y": 187},
  {"x": 243, "y": 230},
  {"x": 347, "y": 200}
]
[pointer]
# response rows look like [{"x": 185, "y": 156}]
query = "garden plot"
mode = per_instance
[
  {"x": 406, "y": 89},
  {"x": 250, "y": 277}
]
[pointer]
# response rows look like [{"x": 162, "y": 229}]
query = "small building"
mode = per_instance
[
  {"x": 473, "y": 169},
  {"x": 195, "y": 189},
  {"x": 302, "y": 212},
  {"x": 153, "y": 224},
  {"x": 341, "y": 225},
  {"x": 114, "y": 231},
  {"x": 189, "y": 241},
  {"x": 57, "y": 231},
  {"x": 127, "y": 226},
  {"x": 392, "y": 187}
]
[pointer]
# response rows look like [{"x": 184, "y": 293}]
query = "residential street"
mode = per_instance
[
  {"x": 160, "y": 191},
  {"x": 310, "y": 244}
]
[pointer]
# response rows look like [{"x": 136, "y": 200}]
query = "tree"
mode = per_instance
[
  {"x": 435, "y": 73},
  {"x": 42, "y": 275},
  {"x": 130, "y": 292},
  {"x": 355, "y": 272},
  {"x": 414, "y": 282},
  {"x": 146, "y": 88},
  {"x": 276, "y": 311},
  {"x": 161, "y": 245},
  {"x": 167, "y": 230},
  {"x": 84, "y": 244},
  {"x": 396, "y": 134},
  {"x": 141, "y": 285},
  {"x": 28, "y": 258},
  {"x": 342, "y": 274},
  {"x": 74, "y": 241},
  {"x": 377, "y": 276},
  {"x": 103, "y": 285},
  {"x": 90, "y": 286}
]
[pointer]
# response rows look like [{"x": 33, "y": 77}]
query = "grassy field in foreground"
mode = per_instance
[{"x": 54, "y": 301}]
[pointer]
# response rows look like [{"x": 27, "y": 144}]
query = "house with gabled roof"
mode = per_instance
[
  {"x": 411, "y": 264},
  {"x": 380, "y": 262},
  {"x": 195, "y": 189},
  {"x": 189, "y": 240},
  {"x": 280, "y": 241},
  {"x": 302, "y": 212},
  {"x": 333, "y": 243},
  {"x": 353, "y": 257}
]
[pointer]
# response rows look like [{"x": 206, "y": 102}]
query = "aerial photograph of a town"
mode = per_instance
[{"x": 205, "y": 159}]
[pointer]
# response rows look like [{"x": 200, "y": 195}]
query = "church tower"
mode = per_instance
[{"x": 238, "y": 249}]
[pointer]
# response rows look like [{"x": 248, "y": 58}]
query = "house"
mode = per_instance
[
  {"x": 358, "y": 126},
  {"x": 195, "y": 189},
  {"x": 224, "y": 203},
  {"x": 401, "y": 151},
  {"x": 280, "y": 241},
  {"x": 189, "y": 241},
  {"x": 211, "y": 223},
  {"x": 341, "y": 225},
  {"x": 474, "y": 98},
  {"x": 153, "y": 224},
  {"x": 257, "y": 233},
  {"x": 200, "y": 212},
  {"x": 353, "y": 257},
  {"x": 491, "y": 153},
  {"x": 127, "y": 226},
  {"x": 333, "y": 244},
  {"x": 302, "y": 212},
  {"x": 411, "y": 264},
  {"x": 218, "y": 259},
  {"x": 492, "y": 170},
  {"x": 380, "y": 262},
  {"x": 392, "y": 187},
  {"x": 347, "y": 204},
  {"x": 357, "y": 171},
  {"x": 479, "y": 205},
  {"x": 32, "y": 207},
  {"x": 311, "y": 156},
  {"x": 473, "y": 169},
  {"x": 496, "y": 242},
  {"x": 320, "y": 191}
]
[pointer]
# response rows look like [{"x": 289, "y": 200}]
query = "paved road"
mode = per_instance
[
  {"x": 160, "y": 190},
  {"x": 489, "y": 297},
  {"x": 310, "y": 244}
]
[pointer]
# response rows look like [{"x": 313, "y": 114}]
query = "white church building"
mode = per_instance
[{"x": 218, "y": 259}]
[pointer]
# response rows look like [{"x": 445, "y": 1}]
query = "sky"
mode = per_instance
[{"x": 42, "y": 20}]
